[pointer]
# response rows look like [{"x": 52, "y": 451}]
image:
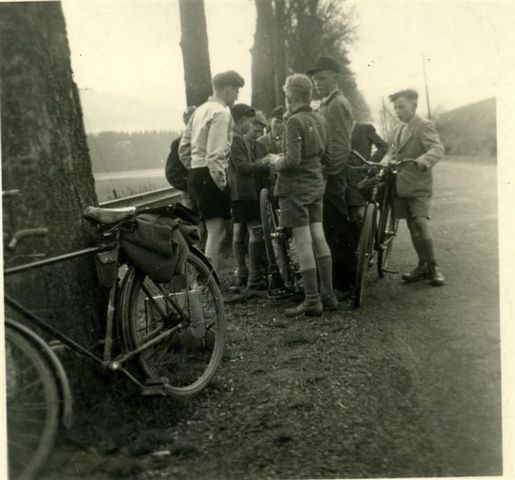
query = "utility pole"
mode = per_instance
[{"x": 427, "y": 90}]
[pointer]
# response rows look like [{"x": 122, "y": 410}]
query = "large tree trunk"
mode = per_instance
[
  {"x": 195, "y": 51},
  {"x": 279, "y": 51},
  {"x": 45, "y": 155},
  {"x": 263, "y": 79}
]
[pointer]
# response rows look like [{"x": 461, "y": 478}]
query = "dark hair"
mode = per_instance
[
  {"x": 228, "y": 79},
  {"x": 408, "y": 94}
]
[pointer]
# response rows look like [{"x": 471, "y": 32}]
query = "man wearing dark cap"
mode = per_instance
[
  {"x": 415, "y": 139},
  {"x": 206, "y": 146},
  {"x": 243, "y": 168},
  {"x": 300, "y": 189},
  {"x": 336, "y": 109}
]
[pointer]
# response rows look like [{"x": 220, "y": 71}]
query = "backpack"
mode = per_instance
[{"x": 176, "y": 173}]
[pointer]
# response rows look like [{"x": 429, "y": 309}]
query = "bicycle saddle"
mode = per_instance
[{"x": 108, "y": 216}]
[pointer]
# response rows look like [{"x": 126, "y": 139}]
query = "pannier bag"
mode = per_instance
[{"x": 158, "y": 244}]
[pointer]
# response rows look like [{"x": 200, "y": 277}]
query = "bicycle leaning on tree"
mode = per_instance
[
  {"x": 379, "y": 227},
  {"x": 165, "y": 335}
]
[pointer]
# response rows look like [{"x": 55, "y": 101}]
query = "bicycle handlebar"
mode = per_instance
[
  {"x": 379, "y": 165},
  {"x": 26, "y": 232}
]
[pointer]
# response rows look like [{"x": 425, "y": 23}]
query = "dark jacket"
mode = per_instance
[
  {"x": 243, "y": 169},
  {"x": 338, "y": 113},
  {"x": 175, "y": 172},
  {"x": 306, "y": 144},
  {"x": 364, "y": 136},
  {"x": 420, "y": 141}
]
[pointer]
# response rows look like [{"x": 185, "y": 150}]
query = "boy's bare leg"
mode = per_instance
[{"x": 216, "y": 232}]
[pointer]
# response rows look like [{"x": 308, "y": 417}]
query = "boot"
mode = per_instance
[
  {"x": 420, "y": 272},
  {"x": 311, "y": 306},
  {"x": 436, "y": 278}
]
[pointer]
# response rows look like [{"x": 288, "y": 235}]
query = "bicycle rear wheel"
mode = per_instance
[
  {"x": 187, "y": 358},
  {"x": 387, "y": 231},
  {"x": 365, "y": 248},
  {"x": 276, "y": 245},
  {"x": 32, "y": 406}
]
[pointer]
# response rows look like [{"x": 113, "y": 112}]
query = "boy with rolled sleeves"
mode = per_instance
[
  {"x": 415, "y": 139},
  {"x": 300, "y": 190},
  {"x": 205, "y": 147}
]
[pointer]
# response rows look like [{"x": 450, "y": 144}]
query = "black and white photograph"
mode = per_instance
[{"x": 257, "y": 239}]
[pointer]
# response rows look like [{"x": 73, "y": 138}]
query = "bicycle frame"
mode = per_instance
[{"x": 106, "y": 361}]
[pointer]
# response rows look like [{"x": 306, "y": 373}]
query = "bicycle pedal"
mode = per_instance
[
  {"x": 155, "y": 386},
  {"x": 57, "y": 346}
]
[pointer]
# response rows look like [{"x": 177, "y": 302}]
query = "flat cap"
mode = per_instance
[
  {"x": 408, "y": 93},
  {"x": 299, "y": 82},
  {"x": 325, "y": 63},
  {"x": 228, "y": 79},
  {"x": 241, "y": 110},
  {"x": 261, "y": 119},
  {"x": 278, "y": 112}
]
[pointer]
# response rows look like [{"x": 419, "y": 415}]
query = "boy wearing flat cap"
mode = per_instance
[
  {"x": 206, "y": 147},
  {"x": 338, "y": 113},
  {"x": 415, "y": 139},
  {"x": 243, "y": 168},
  {"x": 300, "y": 189}
]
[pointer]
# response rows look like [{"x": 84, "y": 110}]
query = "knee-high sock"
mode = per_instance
[
  {"x": 239, "y": 249},
  {"x": 325, "y": 272},
  {"x": 309, "y": 277},
  {"x": 255, "y": 262},
  {"x": 428, "y": 247}
]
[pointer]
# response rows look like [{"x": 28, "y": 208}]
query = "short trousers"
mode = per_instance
[
  {"x": 245, "y": 211},
  {"x": 411, "y": 207},
  {"x": 300, "y": 211},
  {"x": 207, "y": 197}
]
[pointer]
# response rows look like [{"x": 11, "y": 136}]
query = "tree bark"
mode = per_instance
[
  {"x": 45, "y": 155},
  {"x": 263, "y": 88},
  {"x": 279, "y": 49},
  {"x": 195, "y": 51}
]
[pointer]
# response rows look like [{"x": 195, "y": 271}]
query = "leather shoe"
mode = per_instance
[
  {"x": 309, "y": 309},
  {"x": 329, "y": 302},
  {"x": 436, "y": 277},
  {"x": 420, "y": 272}
]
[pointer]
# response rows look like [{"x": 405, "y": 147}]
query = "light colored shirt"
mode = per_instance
[{"x": 207, "y": 140}]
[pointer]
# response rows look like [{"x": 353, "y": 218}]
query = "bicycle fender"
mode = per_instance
[
  {"x": 198, "y": 253},
  {"x": 57, "y": 368}
]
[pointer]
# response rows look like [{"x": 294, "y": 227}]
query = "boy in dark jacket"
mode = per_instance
[{"x": 242, "y": 171}]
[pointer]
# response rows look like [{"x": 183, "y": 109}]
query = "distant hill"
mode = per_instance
[
  {"x": 109, "y": 112},
  {"x": 122, "y": 151},
  {"x": 470, "y": 130}
]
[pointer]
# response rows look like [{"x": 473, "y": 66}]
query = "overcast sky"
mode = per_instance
[{"x": 132, "y": 48}]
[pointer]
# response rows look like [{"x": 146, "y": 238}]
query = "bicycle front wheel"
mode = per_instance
[
  {"x": 275, "y": 241},
  {"x": 387, "y": 231},
  {"x": 187, "y": 315},
  {"x": 32, "y": 406},
  {"x": 365, "y": 248}
]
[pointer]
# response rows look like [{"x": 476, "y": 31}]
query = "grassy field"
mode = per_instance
[{"x": 124, "y": 184}]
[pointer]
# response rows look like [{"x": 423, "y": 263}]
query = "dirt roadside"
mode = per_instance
[{"x": 408, "y": 385}]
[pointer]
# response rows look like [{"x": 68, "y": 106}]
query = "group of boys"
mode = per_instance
[{"x": 227, "y": 157}]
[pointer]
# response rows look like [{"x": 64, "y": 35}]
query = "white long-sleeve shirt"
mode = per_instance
[{"x": 207, "y": 140}]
